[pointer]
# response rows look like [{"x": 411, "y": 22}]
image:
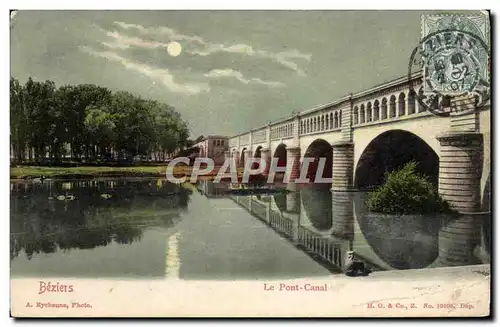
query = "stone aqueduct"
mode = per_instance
[{"x": 364, "y": 135}]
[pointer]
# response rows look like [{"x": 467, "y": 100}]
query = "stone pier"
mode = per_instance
[
  {"x": 460, "y": 169},
  {"x": 265, "y": 154},
  {"x": 248, "y": 155},
  {"x": 343, "y": 166},
  {"x": 343, "y": 215},
  {"x": 293, "y": 162}
]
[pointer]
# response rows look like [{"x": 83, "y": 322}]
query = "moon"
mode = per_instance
[{"x": 174, "y": 49}]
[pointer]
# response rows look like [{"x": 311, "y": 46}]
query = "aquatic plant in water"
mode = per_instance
[{"x": 407, "y": 192}]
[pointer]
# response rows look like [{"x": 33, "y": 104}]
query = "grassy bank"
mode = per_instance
[{"x": 30, "y": 172}]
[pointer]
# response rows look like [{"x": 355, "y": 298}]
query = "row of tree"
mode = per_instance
[{"x": 90, "y": 122}]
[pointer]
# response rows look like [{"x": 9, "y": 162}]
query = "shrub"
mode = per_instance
[{"x": 406, "y": 192}]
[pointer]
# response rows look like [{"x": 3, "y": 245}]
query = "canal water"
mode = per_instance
[{"x": 149, "y": 229}]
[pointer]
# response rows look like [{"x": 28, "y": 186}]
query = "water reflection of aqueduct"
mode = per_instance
[{"x": 328, "y": 224}]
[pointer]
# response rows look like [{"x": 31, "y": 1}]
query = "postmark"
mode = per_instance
[{"x": 453, "y": 56}]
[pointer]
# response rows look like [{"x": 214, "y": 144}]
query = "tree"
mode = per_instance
[
  {"x": 134, "y": 126},
  {"x": 73, "y": 102},
  {"x": 91, "y": 120},
  {"x": 99, "y": 127},
  {"x": 172, "y": 132},
  {"x": 38, "y": 105},
  {"x": 18, "y": 120}
]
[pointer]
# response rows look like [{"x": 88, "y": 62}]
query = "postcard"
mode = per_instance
[{"x": 288, "y": 163}]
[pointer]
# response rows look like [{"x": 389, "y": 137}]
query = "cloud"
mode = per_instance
[
  {"x": 221, "y": 73},
  {"x": 205, "y": 48},
  {"x": 282, "y": 58},
  {"x": 195, "y": 45},
  {"x": 162, "y": 75},
  {"x": 125, "y": 42},
  {"x": 161, "y": 30},
  {"x": 235, "y": 48}
]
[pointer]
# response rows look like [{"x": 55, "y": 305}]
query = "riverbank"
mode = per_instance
[{"x": 31, "y": 172}]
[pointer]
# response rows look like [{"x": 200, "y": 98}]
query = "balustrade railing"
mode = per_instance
[
  {"x": 259, "y": 136},
  {"x": 391, "y": 101},
  {"x": 245, "y": 139},
  {"x": 327, "y": 120},
  {"x": 320, "y": 245},
  {"x": 233, "y": 141},
  {"x": 391, "y": 105},
  {"x": 281, "y": 224},
  {"x": 259, "y": 209},
  {"x": 282, "y": 131}
]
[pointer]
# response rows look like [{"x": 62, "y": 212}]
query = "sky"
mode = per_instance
[{"x": 224, "y": 71}]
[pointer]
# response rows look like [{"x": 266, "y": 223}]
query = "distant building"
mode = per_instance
[{"x": 213, "y": 147}]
